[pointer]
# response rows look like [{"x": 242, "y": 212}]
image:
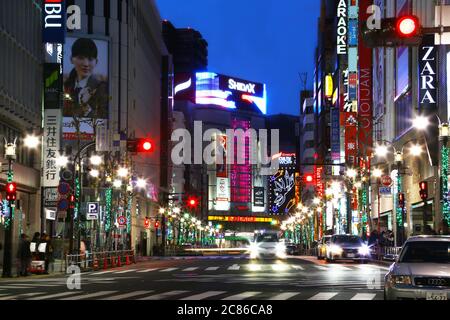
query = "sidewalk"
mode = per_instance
[{"x": 57, "y": 268}]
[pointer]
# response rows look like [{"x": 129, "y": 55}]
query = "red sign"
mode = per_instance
[
  {"x": 365, "y": 139},
  {"x": 386, "y": 181},
  {"x": 351, "y": 132},
  {"x": 320, "y": 187},
  {"x": 122, "y": 220}
]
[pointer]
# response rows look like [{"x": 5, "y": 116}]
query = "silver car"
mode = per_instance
[{"x": 421, "y": 271}]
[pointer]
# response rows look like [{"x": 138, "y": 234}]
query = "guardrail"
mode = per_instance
[{"x": 100, "y": 260}]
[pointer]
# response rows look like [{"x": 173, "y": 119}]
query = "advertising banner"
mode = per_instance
[
  {"x": 221, "y": 164},
  {"x": 365, "y": 106},
  {"x": 335, "y": 135},
  {"x": 350, "y": 138},
  {"x": 282, "y": 191},
  {"x": 52, "y": 86},
  {"x": 51, "y": 147},
  {"x": 258, "y": 197},
  {"x": 86, "y": 86},
  {"x": 427, "y": 74}
]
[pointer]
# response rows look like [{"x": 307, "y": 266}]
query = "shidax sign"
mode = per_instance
[
  {"x": 255, "y": 142},
  {"x": 243, "y": 87}
]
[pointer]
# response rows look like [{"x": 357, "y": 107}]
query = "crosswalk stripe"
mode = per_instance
[
  {"x": 284, "y": 296},
  {"x": 323, "y": 296},
  {"x": 15, "y": 287},
  {"x": 364, "y": 296},
  {"x": 128, "y": 295},
  {"x": 164, "y": 295},
  {"x": 90, "y": 295},
  {"x": 204, "y": 295},
  {"x": 56, "y": 295},
  {"x": 297, "y": 267},
  {"x": 321, "y": 267},
  {"x": 147, "y": 270},
  {"x": 168, "y": 270},
  {"x": 241, "y": 296},
  {"x": 211, "y": 268},
  {"x": 21, "y": 295},
  {"x": 191, "y": 269},
  {"x": 234, "y": 267},
  {"x": 125, "y": 271},
  {"x": 341, "y": 268}
]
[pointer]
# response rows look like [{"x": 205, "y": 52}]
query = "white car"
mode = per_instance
[
  {"x": 267, "y": 244},
  {"x": 421, "y": 271}
]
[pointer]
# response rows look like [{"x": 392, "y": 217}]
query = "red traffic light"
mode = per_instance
[
  {"x": 407, "y": 26},
  {"x": 309, "y": 178},
  {"x": 147, "y": 223},
  {"x": 156, "y": 224},
  {"x": 423, "y": 190},
  {"x": 11, "y": 188},
  {"x": 192, "y": 202},
  {"x": 144, "y": 145},
  {"x": 401, "y": 199}
]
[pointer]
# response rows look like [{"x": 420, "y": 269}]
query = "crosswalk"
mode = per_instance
[
  {"x": 192, "y": 295},
  {"x": 247, "y": 267}
]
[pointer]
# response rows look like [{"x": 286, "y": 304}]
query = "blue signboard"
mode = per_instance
[
  {"x": 53, "y": 21},
  {"x": 353, "y": 32},
  {"x": 385, "y": 190},
  {"x": 335, "y": 135}
]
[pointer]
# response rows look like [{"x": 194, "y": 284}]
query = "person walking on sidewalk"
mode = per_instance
[
  {"x": 48, "y": 253},
  {"x": 24, "y": 255}
]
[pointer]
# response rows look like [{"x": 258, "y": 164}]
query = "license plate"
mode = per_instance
[
  {"x": 436, "y": 296},
  {"x": 350, "y": 255}
]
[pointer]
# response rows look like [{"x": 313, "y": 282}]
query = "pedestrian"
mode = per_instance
[
  {"x": 24, "y": 255},
  {"x": 49, "y": 259}
]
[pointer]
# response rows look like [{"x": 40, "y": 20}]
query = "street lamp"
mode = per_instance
[
  {"x": 141, "y": 183},
  {"x": 122, "y": 172},
  {"x": 117, "y": 184},
  {"x": 31, "y": 141},
  {"x": 62, "y": 161},
  {"x": 96, "y": 160},
  {"x": 94, "y": 173}
]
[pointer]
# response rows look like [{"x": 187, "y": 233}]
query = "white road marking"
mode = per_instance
[
  {"x": 191, "y": 269},
  {"x": 103, "y": 272},
  {"x": 364, "y": 296},
  {"x": 341, "y": 268},
  {"x": 21, "y": 295},
  {"x": 164, "y": 295},
  {"x": 203, "y": 295},
  {"x": 125, "y": 271},
  {"x": 57, "y": 295},
  {"x": 321, "y": 267},
  {"x": 242, "y": 296},
  {"x": 128, "y": 295},
  {"x": 323, "y": 296},
  {"x": 284, "y": 296},
  {"x": 15, "y": 287},
  {"x": 147, "y": 270},
  {"x": 234, "y": 267},
  {"x": 90, "y": 295},
  {"x": 297, "y": 267},
  {"x": 212, "y": 268},
  {"x": 168, "y": 270}
]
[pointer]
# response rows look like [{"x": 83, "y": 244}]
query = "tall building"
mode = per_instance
[
  {"x": 233, "y": 194},
  {"x": 187, "y": 47},
  {"x": 20, "y": 113}
]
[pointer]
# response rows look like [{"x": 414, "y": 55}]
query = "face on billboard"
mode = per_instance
[{"x": 86, "y": 82}]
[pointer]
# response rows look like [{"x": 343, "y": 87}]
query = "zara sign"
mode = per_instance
[{"x": 427, "y": 73}]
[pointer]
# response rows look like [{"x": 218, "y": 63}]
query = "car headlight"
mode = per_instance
[
  {"x": 254, "y": 250},
  {"x": 335, "y": 249},
  {"x": 400, "y": 280},
  {"x": 364, "y": 250}
]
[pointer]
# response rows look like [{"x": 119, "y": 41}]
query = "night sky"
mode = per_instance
[{"x": 269, "y": 41}]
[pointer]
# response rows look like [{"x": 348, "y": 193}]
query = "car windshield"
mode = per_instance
[
  {"x": 426, "y": 251},
  {"x": 348, "y": 239},
  {"x": 268, "y": 237}
]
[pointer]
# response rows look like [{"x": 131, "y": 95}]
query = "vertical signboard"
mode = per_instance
[
  {"x": 51, "y": 147},
  {"x": 427, "y": 74},
  {"x": 53, "y": 21},
  {"x": 52, "y": 85},
  {"x": 282, "y": 186},
  {"x": 221, "y": 163},
  {"x": 335, "y": 135},
  {"x": 258, "y": 197},
  {"x": 365, "y": 116},
  {"x": 342, "y": 27},
  {"x": 222, "y": 194}
]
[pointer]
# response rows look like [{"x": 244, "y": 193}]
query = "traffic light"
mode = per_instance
[
  {"x": 401, "y": 200},
  {"x": 423, "y": 190},
  {"x": 157, "y": 224},
  {"x": 11, "y": 189},
  {"x": 192, "y": 202},
  {"x": 141, "y": 145},
  {"x": 404, "y": 31},
  {"x": 308, "y": 178},
  {"x": 71, "y": 201},
  {"x": 147, "y": 223}
]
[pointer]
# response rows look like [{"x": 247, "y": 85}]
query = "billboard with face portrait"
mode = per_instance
[{"x": 86, "y": 86}]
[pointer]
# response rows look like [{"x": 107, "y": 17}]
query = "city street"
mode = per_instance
[{"x": 211, "y": 278}]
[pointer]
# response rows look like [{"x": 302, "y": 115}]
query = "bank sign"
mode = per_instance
[{"x": 53, "y": 21}]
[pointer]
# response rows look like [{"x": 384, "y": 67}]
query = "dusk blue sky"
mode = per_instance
[{"x": 269, "y": 41}]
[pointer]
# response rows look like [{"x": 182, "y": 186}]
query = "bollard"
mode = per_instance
[
  {"x": 119, "y": 262},
  {"x": 128, "y": 260},
  {"x": 105, "y": 262},
  {"x": 113, "y": 262}
]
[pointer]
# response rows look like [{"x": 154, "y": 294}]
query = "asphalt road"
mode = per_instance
[{"x": 205, "y": 278}]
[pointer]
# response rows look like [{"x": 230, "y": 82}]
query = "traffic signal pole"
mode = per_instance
[{"x": 9, "y": 225}]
